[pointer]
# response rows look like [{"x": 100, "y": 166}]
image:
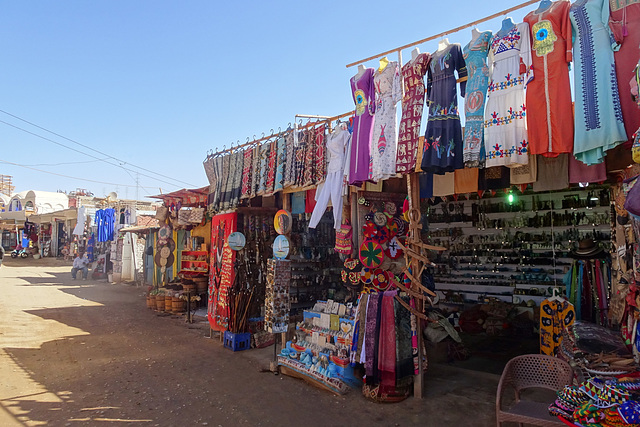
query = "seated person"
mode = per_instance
[{"x": 80, "y": 263}]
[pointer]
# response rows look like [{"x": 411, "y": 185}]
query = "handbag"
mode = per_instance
[
  {"x": 635, "y": 148},
  {"x": 343, "y": 238}
]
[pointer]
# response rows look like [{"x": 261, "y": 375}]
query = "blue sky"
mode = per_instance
[{"x": 155, "y": 84}]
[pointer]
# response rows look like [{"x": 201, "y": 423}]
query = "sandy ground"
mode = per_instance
[{"x": 91, "y": 353}]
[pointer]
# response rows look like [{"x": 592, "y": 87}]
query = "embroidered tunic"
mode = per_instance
[
  {"x": 443, "y": 139},
  {"x": 385, "y": 135},
  {"x": 364, "y": 97},
  {"x": 412, "y": 106},
  {"x": 550, "y": 113},
  {"x": 625, "y": 25},
  {"x": 505, "y": 126},
  {"x": 475, "y": 55},
  {"x": 598, "y": 117}
]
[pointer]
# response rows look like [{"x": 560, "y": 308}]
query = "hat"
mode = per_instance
[
  {"x": 371, "y": 254},
  {"x": 587, "y": 249}
]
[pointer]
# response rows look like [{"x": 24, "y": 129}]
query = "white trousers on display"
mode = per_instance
[{"x": 332, "y": 189}]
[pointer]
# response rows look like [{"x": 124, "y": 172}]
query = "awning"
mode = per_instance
[
  {"x": 138, "y": 229},
  {"x": 63, "y": 215},
  {"x": 185, "y": 197}
]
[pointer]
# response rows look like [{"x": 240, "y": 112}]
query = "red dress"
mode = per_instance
[
  {"x": 412, "y": 104},
  {"x": 550, "y": 115},
  {"x": 624, "y": 22}
]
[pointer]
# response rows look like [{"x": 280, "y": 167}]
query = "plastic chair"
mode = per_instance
[{"x": 527, "y": 372}]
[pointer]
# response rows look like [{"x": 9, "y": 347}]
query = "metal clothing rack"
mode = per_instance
[
  {"x": 443, "y": 34},
  {"x": 255, "y": 141}
]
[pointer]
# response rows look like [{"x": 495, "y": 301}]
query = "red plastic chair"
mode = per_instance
[{"x": 531, "y": 371}]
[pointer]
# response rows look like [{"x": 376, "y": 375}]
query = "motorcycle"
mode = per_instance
[{"x": 20, "y": 252}]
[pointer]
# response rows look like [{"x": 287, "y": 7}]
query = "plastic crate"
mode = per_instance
[{"x": 237, "y": 342}]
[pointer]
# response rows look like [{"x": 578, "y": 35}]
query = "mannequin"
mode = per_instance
[
  {"x": 475, "y": 33},
  {"x": 544, "y": 5},
  {"x": 443, "y": 44},
  {"x": 384, "y": 61},
  {"x": 361, "y": 70},
  {"x": 507, "y": 25},
  {"x": 414, "y": 53}
]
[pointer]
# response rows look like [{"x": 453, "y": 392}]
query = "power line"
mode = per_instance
[
  {"x": 86, "y": 154},
  {"x": 64, "y": 163},
  {"x": 93, "y": 149},
  {"x": 66, "y": 176}
]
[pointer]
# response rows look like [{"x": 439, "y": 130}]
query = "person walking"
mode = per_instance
[
  {"x": 80, "y": 264},
  {"x": 1, "y": 254}
]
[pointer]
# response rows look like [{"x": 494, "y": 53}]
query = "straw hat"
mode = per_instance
[{"x": 587, "y": 249}]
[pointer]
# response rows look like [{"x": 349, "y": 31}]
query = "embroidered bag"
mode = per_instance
[{"x": 343, "y": 238}]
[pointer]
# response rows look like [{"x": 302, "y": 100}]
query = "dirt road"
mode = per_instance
[{"x": 75, "y": 353}]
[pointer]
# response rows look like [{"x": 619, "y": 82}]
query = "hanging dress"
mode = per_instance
[
  {"x": 364, "y": 97},
  {"x": 624, "y": 22},
  {"x": 475, "y": 54},
  {"x": 332, "y": 186},
  {"x": 412, "y": 106},
  {"x": 384, "y": 139},
  {"x": 598, "y": 115},
  {"x": 549, "y": 108},
  {"x": 505, "y": 126},
  {"x": 443, "y": 139}
]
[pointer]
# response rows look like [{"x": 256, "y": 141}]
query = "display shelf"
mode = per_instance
[
  {"x": 194, "y": 262},
  {"x": 502, "y": 248}
]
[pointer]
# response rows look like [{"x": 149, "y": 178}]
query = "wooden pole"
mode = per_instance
[
  {"x": 437, "y": 36},
  {"x": 413, "y": 190}
]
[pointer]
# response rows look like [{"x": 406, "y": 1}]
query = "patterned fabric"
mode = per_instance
[
  {"x": 385, "y": 134},
  {"x": 226, "y": 182},
  {"x": 255, "y": 168},
  {"x": 387, "y": 342},
  {"x": 598, "y": 115},
  {"x": 371, "y": 336},
  {"x": 262, "y": 177},
  {"x": 289, "y": 171},
  {"x": 320, "y": 166},
  {"x": 280, "y": 165},
  {"x": 443, "y": 139},
  {"x": 272, "y": 161},
  {"x": 554, "y": 317},
  {"x": 308, "y": 173},
  {"x": 236, "y": 186},
  {"x": 475, "y": 55},
  {"x": 246, "y": 174},
  {"x": 404, "y": 356},
  {"x": 300, "y": 158},
  {"x": 412, "y": 106},
  {"x": 505, "y": 128},
  {"x": 550, "y": 118}
]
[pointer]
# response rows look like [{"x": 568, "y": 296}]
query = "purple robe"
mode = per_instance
[{"x": 364, "y": 98}]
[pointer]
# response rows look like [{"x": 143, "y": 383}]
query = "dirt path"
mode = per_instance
[{"x": 90, "y": 353}]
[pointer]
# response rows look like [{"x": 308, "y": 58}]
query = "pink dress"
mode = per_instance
[{"x": 364, "y": 97}]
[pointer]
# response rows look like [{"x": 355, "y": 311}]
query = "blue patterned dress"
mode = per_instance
[
  {"x": 443, "y": 140},
  {"x": 599, "y": 125},
  {"x": 475, "y": 55}
]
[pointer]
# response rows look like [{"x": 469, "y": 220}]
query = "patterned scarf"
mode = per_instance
[{"x": 246, "y": 174}]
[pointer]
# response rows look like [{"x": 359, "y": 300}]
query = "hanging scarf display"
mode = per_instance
[
  {"x": 320, "y": 167},
  {"x": 308, "y": 173},
  {"x": 289, "y": 167},
  {"x": 262, "y": 177},
  {"x": 281, "y": 158},
  {"x": 255, "y": 168},
  {"x": 246, "y": 174},
  {"x": 272, "y": 160}
]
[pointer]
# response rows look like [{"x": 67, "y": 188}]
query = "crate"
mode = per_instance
[{"x": 237, "y": 342}]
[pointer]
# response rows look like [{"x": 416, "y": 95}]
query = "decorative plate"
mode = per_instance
[
  {"x": 369, "y": 229},
  {"x": 236, "y": 240},
  {"x": 390, "y": 208},
  {"x": 380, "y": 219},
  {"x": 393, "y": 249},
  {"x": 281, "y": 247},
  {"x": 381, "y": 235},
  {"x": 371, "y": 254},
  {"x": 282, "y": 222}
]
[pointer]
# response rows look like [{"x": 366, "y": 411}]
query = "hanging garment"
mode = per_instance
[
  {"x": 555, "y": 316},
  {"x": 289, "y": 170},
  {"x": 364, "y": 97},
  {"x": 495, "y": 178},
  {"x": 246, "y": 173},
  {"x": 598, "y": 115},
  {"x": 272, "y": 161},
  {"x": 505, "y": 125},
  {"x": 444, "y": 185},
  {"x": 105, "y": 222},
  {"x": 385, "y": 135},
  {"x": 281, "y": 158},
  {"x": 264, "y": 164},
  {"x": 78, "y": 230},
  {"x": 579, "y": 172},
  {"x": 331, "y": 189},
  {"x": 466, "y": 180},
  {"x": 475, "y": 55},
  {"x": 525, "y": 174},
  {"x": 412, "y": 106},
  {"x": 443, "y": 139},
  {"x": 256, "y": 160},
  {"x": 320, "y": 155},
  {"x": 549, "y": 108},
  {"x": 225, "y": 189},
  {"x": 236, "y": 187},
  {"x": 553, "y": 173},
  {"x": 624, "y": 22},
  {"x": 300, "y": 158}
]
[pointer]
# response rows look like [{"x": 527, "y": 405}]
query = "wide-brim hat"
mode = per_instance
[{"x": 587, "y": 249}]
